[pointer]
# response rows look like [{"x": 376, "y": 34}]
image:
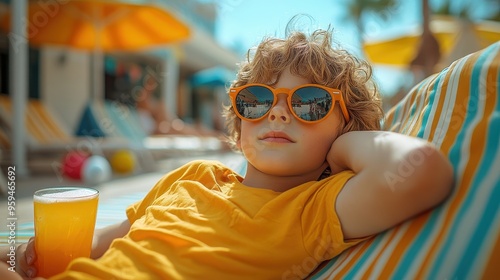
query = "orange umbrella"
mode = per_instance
[
  {"x": 94, "y": 25},
  {"x": 400, "y": 51},
  {"x": 101, "y": 24}
]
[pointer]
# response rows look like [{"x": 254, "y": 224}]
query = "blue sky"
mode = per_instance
[
  {"x": 245, "y": 22},
  {"x": 242, "y": 23}
]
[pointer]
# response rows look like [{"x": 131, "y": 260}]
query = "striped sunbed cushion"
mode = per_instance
[
  {"x": 123, "y": 118},
  {"x": 43, "y": 118},
  {"x": 42, "y": 126},
  {"x": 103, "y": 120},
  {"x": 457, "y": 109},
  {"x": 112, "y": 119}
]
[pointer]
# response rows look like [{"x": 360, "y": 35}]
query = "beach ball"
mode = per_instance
[
  {"x": 96, "y": 169},
  {"x": 73, "y": 163},
  {"x": 123, "y": 161}
]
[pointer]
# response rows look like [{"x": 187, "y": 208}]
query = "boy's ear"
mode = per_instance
[{"x": 238, "y": 144}]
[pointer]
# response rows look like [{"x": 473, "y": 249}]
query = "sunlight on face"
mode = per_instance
[{"x": 281, "y": 145}]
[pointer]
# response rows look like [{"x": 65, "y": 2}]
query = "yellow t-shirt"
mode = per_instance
[{"x": 201, "y": 222}]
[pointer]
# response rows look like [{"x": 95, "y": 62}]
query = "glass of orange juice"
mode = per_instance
[{"x": 64, "y": 226}]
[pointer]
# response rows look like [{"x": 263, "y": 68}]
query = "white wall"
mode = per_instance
[{"x": 65, "y": 83}]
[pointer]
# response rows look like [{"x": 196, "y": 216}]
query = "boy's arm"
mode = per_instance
[
  {"x": 397, "y": 177},
  {"x": 103, "y": 237},
  {"x": 26, "y": 255}
]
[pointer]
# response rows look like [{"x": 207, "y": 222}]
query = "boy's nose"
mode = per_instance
[{"x": 279, "y": 112}]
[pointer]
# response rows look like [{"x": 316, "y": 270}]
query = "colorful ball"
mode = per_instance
[
  {"x": 123, "y": 161},
  {"x": 73, "y": 163},
  {"x": 96, "y": 169}
]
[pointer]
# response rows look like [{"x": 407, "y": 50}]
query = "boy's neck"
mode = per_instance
[{"x": 256, "y": 179}]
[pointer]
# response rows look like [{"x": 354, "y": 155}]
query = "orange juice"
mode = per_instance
[{"x": 64, "y": 226}]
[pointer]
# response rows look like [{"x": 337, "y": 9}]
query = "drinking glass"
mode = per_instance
[{"x": 64, "y": 226}]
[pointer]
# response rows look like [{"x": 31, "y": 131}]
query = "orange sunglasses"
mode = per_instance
[{"x": 309, "y": 103}]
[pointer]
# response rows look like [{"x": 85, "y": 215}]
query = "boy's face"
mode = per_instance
[{"x": 281, "y": 145}]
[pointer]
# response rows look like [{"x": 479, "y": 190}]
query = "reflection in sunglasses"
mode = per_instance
[{"x": 309, "y": 103}]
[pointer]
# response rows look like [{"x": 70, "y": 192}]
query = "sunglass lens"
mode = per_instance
[
  {"x": 311, "y": 103},
  {"x": 254, "y": 102}
]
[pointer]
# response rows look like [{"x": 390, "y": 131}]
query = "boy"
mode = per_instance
[{"x": 320, "y": 178}]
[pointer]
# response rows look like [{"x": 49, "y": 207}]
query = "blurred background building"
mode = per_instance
[
  {"x": 176, "y": 86},
  {"x": 61, "y": 75}
]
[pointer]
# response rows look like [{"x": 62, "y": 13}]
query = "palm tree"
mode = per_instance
[
  {"x": 492, "y": 12},
  {"x": 467, "y": 39},
  {"x": 358, "y": 8},
  {"x": 428, "y": 53}
]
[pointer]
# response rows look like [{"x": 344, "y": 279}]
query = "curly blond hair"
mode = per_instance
[{"x": 315, "y": 59}]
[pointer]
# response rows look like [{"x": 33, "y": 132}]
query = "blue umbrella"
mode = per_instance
[{"x": 212, "y": 77}]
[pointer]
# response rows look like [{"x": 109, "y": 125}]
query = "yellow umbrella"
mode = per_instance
[
  {"x": 105, "y": 25},
  {"x": 400, "y": 51}
]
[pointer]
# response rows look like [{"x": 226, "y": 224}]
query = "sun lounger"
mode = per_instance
[
  {"x": 115, "y": 119},
  {"x": 47, "y": 140},
  {"x": 44, "y": 131},
  {"x": 457, "y": 109}
]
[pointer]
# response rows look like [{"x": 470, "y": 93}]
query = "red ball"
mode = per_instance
[{"x": 73, "y": 163}]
